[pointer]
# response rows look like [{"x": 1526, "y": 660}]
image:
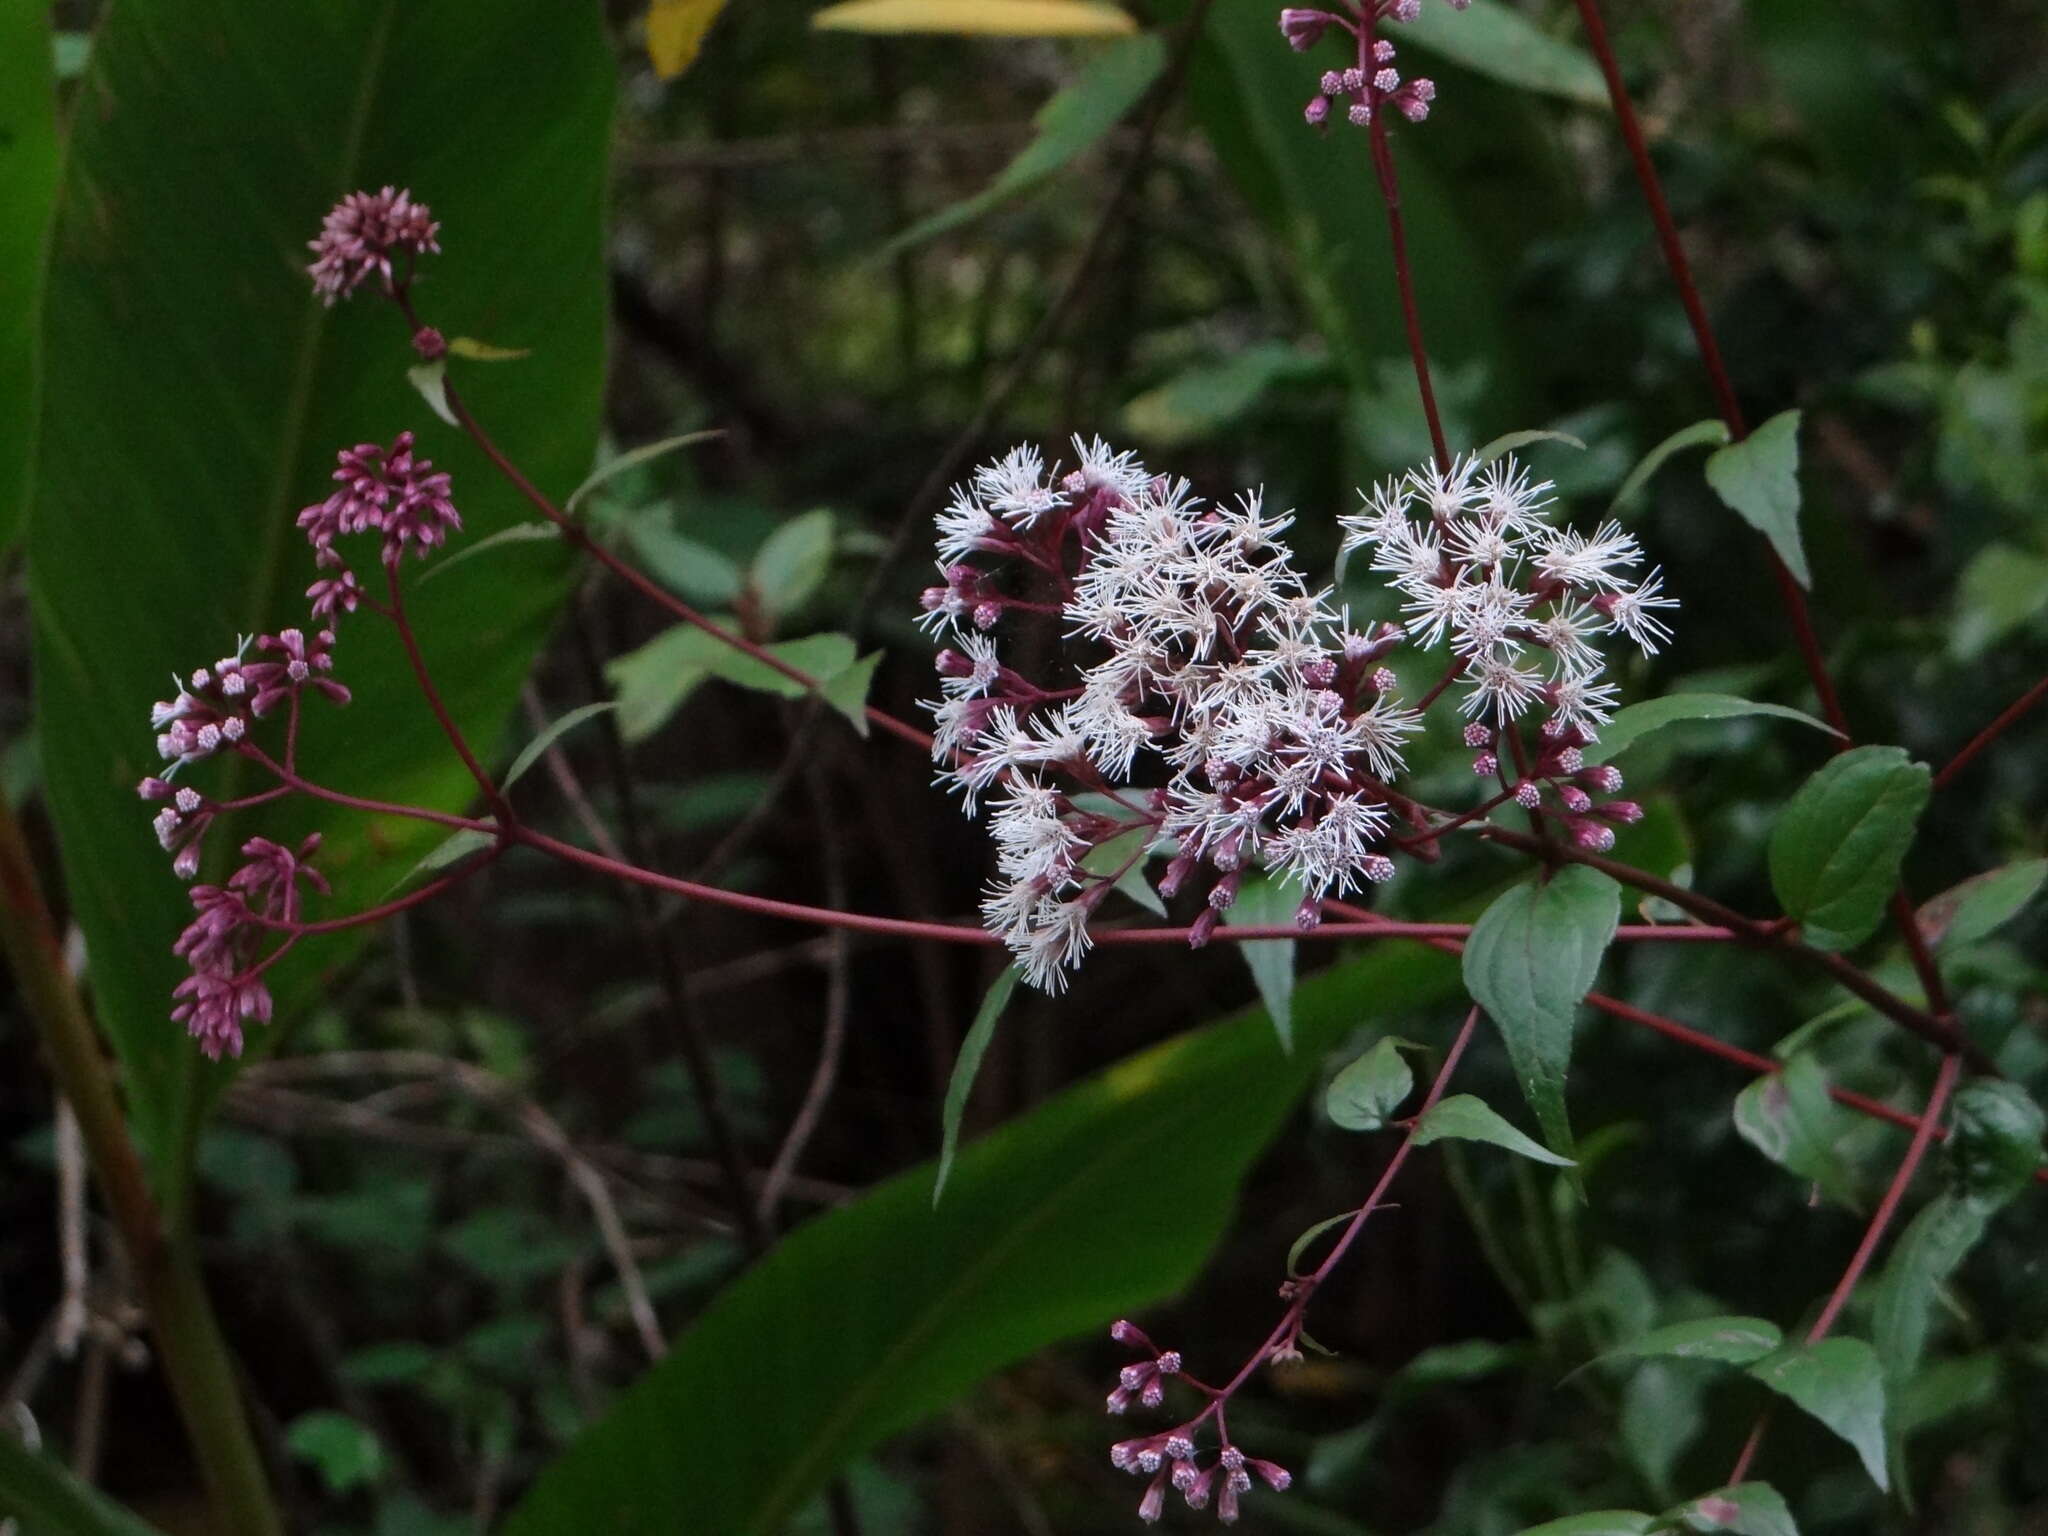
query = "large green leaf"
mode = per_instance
[
  {"x": 872, "y": 1317},
  {"x": 195, "y": 395},
  {"x": 50, "y": 1501},
  {"x": 28, "y": 189},
  {"x": 1530, "y": 962},
  {"x": 1837, "y": 845}
]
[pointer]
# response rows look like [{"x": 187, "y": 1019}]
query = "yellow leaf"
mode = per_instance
[
  {"x": 1001, "y": 18},
  {"x": 675, "y": 31}
]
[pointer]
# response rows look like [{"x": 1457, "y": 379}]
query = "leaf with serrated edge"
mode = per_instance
[
  {"x": 1529, "y": 963},
  {"x": 1837, "y": 845},
  {"x": 1471, "y": 1119}
]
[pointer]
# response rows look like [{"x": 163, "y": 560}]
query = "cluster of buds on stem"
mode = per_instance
[
  {"x": 361, "y": 236},
  {"x": 1372, "y": 83},
  {"x": 1275, "y": 724},
  {"x": 1173, "y": 1459},
  {"x": 224, "y": 941}
]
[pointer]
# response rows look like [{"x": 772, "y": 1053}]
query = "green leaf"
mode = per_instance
[
  {"x": 1840, "y": 1383},
  {"x": 2000, "y": 589},
  {"x": 28, "y": 192},
  {"x": 230, "y": 412},
  {"x": 1759, "y": 478},
  {"x": 1529, "y": 963},
  {"x": 1466, "y": 1118},
  {"x": 1300, "y": 1245},
  {"x": 1112, "y": 854},
  {"x": 50, "y": 1500},
  {"x": 1927, "y": 1253},
  {"x": 531, "y": 752},
  {"x": 1735, "y": 1340},
  {"x": 834, "y": 1341},
  {"x": 1076, "y": 119},
  {"x": 1836, "y": 848},
  {"x": 1264, "y": 902},
  {"x": 653, "y": 681},
  {"x": 1494, "y": 40},
  {"x": 965, "y": 1068},
  {"x": 431, "y": 382},
  {"x": 455, "y": 847},
  {"x": 347, "y": 1453},
  {"x": 1994, "y": 1146},
  {"x": 469, "y": 348},
  {"x": 1364, "y": 1094},
  {"x": 1217, "y": 392},
  {"x": 518, "y": 533},
  {"x": 1965, "y": 913},
  {"x": 1709, "y": 433},
  {"x": 1508, "y": 442},
  {"x": 1788, "y": 1116},
  {"x": 791, "y": 564},
  {"x": 1635, "y": 721},
  {"x": 1748, "y": 1509},
  {"x": 1599, "y": 1522},
  {"x": 685, "y": 566},
  {"x": 631, "y": 459}
]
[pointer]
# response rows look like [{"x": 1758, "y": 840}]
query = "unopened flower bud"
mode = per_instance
[
  {"x": 1304, "y": 28},
  {"x": 1528, "y": 794},
  {"x": 1575, "y": 799},
  {"x": 1317, "y": 112},
  {"x": 1627, "y": 812}
]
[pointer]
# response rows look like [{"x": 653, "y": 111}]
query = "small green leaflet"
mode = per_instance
[
  {"x": 1788, "y": 1116},
  {"x": 1364, "y": 1094},
  {"x": 791, "y": 564},
  {"x": 1217, "y": 392},
  {"x": 1836, "y": 848},
  {"x": 1632, "y": 723},
  {"x": 458, "y": 845},
  {"x": 531, "y": 752},
  {"x": 965, "y": 1067},
  {"x": 1840, "y": 1383},
  {"x": 1529, "y": 963},
  {"x": 1968, "y": 912},
  {"x": 653, "y": 681},
  {"x": 629, "y": 460},
  {"x": 484, "y": 352},
  {"x": 431, "y": 380},
  {"x": 1599, "y": 1522},
  {"x": 1508, "y": 442},
  {"x": 1470, "y": 1119},
  {"x": 347, "y": 1453},
  {"x": 1734, "y": 1340},
  {"x": 1709, "y": 433},
  {"x": 2002, "y": 588},
  {"x": 1748, "y": 1509},
  {"x": 1759, "y": 479},
  {"x": 1264, "y": 902},
  {"x": 1073, "y": 121},
  {"x": 518, "y": 533}
]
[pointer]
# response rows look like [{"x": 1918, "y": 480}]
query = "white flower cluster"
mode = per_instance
[{"x": 1485, "y": 568}]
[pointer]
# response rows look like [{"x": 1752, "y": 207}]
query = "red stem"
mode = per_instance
[
  {"x": 1992, "y": 732},
  {"x": 1404, "y": 276},
  {"x": 425, "y": 679}
]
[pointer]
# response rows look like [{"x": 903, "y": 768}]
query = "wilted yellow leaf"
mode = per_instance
[
  {"x": 675, "y": 31},
  {"x": 1001, "y": 18}
]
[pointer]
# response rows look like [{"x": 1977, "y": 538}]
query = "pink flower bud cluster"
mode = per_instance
[
  {"x": 393, "y": 491},
  {"x": 1273, "y": 724},
  {"x": 1173, "y": 1458},
  {"x": 222, "y": 944},
  {"x": 1372, "y": 83},
  {"x": 361, "y": 234}
]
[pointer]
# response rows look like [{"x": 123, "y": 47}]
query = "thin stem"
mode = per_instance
[
  {"x": 195, "y": 1356},
  {"x": 292, "y": 781},
  {"x": 1404, "y": 276},
  {"x": 425, "y": 680},
  {"x": 2006, "y": 720}
]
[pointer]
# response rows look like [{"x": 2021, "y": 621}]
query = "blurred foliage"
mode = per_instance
[{"x": 420, "y": 1290}]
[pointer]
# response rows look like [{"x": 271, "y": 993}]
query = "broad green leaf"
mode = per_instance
[
  {"x": 1837, "y": 845},
  {"x": 1365, "y": 1093},
  {"x": 50, "y": 1500},
  {"x": 675, "y": 33},
  {"x": 1635, "y": 721},
  {"x": 1529, "y": 963},
  {"x": 872, "y": 1317},
  {"x": 969, "y": 18},
  {"x": 965, "y": 1068},
  {"x": 633, "y": 458},
  {"x": 1071, "y": 123},
  {"x": 1701, "y": 434},
  {"x": 346, "y": 1451},
  {"x": 791, "y": 564},
  {"x": 231, "y": 410},
  {"x": 1841, "y": 1384},
  {"x": 1994, "y": 1146},
  {"x": 1927, "y": 1253},
  {"x": 1599, "y": 1522},
  {"x": 28, "y": 191},
  {"x": 1748, "y": 1509},
  {"x": 1466, "y": 1118},
  {"x": 1216, "y": 393},
  {"x": 1965, "y": 913},
  {"x": 1788, "y": 1116},
  {"x": 2000, "y": 589},
  {"x": 1735, "y": 1340},
  {"x": 531, "y": 752},
  {"x": 1759, "y": 478},
  {"x": 1264, "y": 902},
  {"x": 1493, "y": 39},
  {"x": 1508, "y": 442}
]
